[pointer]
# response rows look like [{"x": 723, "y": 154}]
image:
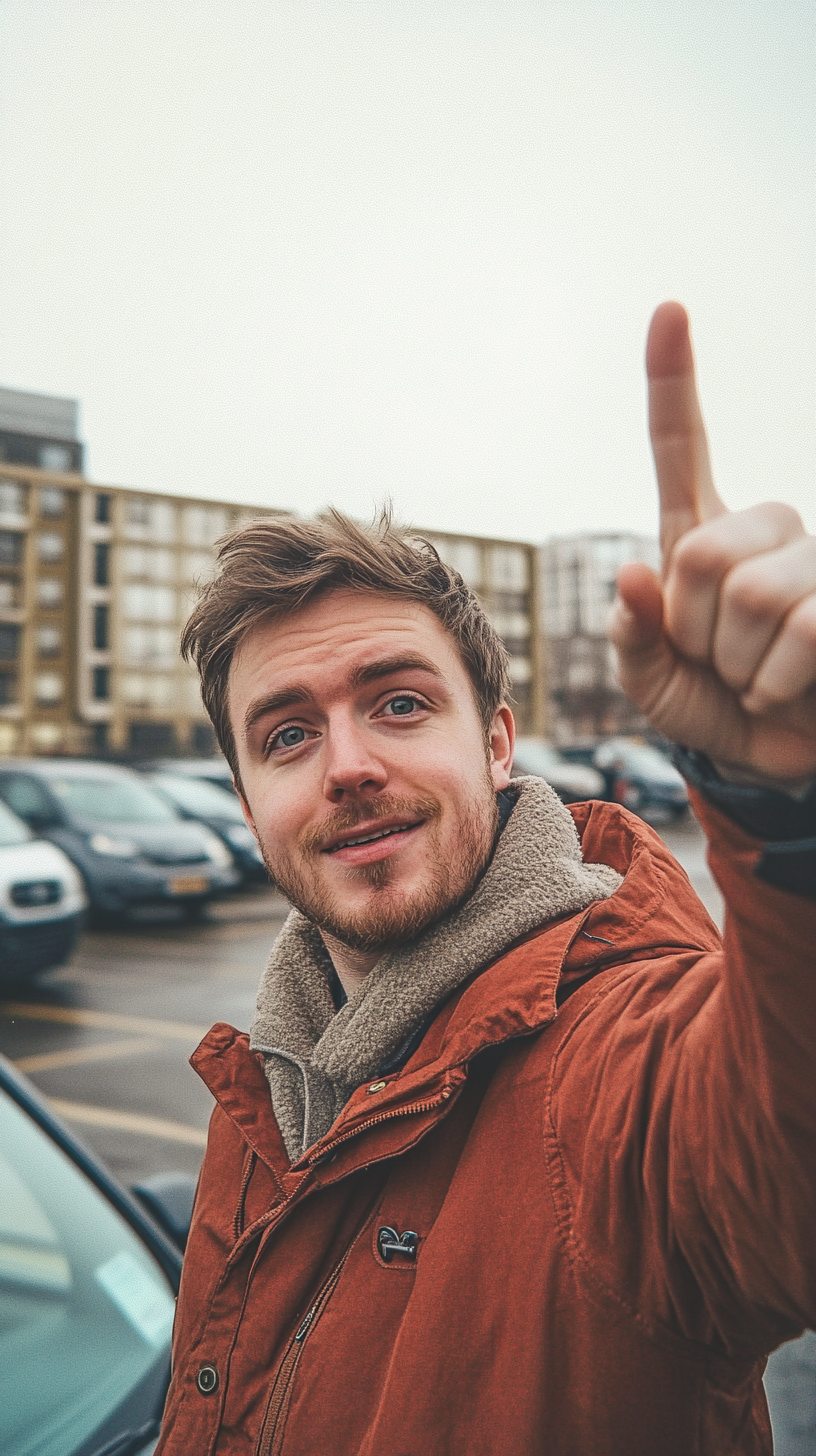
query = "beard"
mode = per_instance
[{"x": 392, "y": 915}]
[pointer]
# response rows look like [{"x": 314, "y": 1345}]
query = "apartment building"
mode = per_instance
[
  {"x": 97, "y": 581},
  {"x": 504, "y": 575},
  {"x": 578, "y": 576}
]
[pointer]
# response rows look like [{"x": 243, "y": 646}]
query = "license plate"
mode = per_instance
[{"x": 188, "y": 885}]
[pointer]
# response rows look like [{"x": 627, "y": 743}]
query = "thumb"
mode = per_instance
[
  {"x": 679, "y": 442},
  {"x": 646, "y": 660}
]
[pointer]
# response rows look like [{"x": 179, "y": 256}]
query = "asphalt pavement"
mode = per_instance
[{"x": 107, "y": 1038}]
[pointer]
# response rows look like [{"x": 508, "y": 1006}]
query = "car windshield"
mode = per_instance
[
  {"x": 111, "y": 800},
  {"x": 12, "y": 829},
  {"x": 534, "y": 757},
  {"x": 87, "y": 1312},
  {"x": 198, "y": 797}
]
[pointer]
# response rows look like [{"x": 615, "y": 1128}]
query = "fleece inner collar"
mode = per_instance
[{"x": 316, "y": 1055}]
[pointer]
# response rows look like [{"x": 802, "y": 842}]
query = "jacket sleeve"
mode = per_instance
[{"x": 686, "y": 1157}]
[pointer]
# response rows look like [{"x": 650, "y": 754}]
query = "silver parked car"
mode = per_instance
[{"x": 573, "y": 782}]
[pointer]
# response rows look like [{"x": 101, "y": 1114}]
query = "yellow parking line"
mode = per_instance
[
  {"x": 111, "y": 1117},
  {"x": 105, "y": 1020},
  {"x": 76, "y": 1056}
]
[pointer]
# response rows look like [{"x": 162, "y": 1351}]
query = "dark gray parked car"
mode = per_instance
[
  {"x": 131, "y": 847},
  {"x": 208, "y": 803}
]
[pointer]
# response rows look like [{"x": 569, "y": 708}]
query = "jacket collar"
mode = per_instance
[
  {"x": 654, "y": 910},
  {"x": 317, "y": 1056}
]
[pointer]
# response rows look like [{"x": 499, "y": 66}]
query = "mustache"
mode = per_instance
[{"x": 345, "y": 820}]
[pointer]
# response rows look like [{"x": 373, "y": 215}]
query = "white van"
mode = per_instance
[{"x": 42, "y": 902}]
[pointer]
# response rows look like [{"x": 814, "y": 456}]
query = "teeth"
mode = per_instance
[{"x": 369, "y": 839}]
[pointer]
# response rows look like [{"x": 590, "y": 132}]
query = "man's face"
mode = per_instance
[{"x": 364, "y": 766}]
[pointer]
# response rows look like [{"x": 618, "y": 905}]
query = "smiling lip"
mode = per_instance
[{"x": 370, "y": 842}]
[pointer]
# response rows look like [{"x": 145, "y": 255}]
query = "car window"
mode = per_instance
[
  {"x": 12, "y": 829},
  {"x": 196, "y": 796},
  {"x": 86, "y": 1313},
  {"x": 26, "y": 797},
  {"x": 111, "y": 800}
]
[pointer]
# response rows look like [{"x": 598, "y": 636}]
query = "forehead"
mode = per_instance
[{"x": 332, "y": 636}]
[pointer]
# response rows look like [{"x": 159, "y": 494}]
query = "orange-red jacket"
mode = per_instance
[{"x": 605, "y": 1147}]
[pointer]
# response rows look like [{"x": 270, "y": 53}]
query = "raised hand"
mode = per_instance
[{"x": 720, "y": 654}]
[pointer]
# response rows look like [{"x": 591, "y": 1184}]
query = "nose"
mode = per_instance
[{"x": 352, "y": 765}]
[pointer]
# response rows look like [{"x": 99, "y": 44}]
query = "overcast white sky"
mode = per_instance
[{"x": 302, "y": 251}]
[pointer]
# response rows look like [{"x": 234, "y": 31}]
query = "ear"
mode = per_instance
[
  {"x": 502, "y": 744},
  {"x": 245, "y": 809}
]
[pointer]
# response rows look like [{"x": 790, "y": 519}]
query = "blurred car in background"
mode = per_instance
[
  {"x": 207, "y": 802},
  {"x": 572, "y": 782},
  {"x": 130, "y": 846},
  {"x": 42, "y": 902},
  {"x": 643, "y": 779},
  {"x": 88, "y": 1282},
  {"x": 214, "y": 770}
]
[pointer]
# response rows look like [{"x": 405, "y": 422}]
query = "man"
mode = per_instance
[{"x": 518, "y": 1158}]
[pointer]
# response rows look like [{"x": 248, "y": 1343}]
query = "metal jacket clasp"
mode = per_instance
[{"x": 389, "y": 1242}]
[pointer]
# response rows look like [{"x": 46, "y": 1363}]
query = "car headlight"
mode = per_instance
[
  {"x": 217, "y": 850},
  {"x": 241, "y": 835},
  {"x": 120, "y": 848}
]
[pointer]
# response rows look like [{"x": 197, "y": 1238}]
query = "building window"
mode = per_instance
[
  {"x": 9, "y": 642},
  {"x": 508, "y": 568},
  {"x": 149, "y": 561},
  {"x": 11, "y": 548},
  {"x": 8, "y": 688},
  {"x": 150, "y": 520},
  {"x": 153, "y": 646},
  {"x": 102, "y": 511},
  {"x": 55, "y": 457},
  {"x": 12, "y": 498},
  {"x": 152, "y": 740},
  {"x": 48, "y": 687},
  {"x": 49, "y": 641},
  {"x": 99, "y": 737},
  {"x": 49, "y": 592},
  {"x": 100, "y": 628},
  {"x": 9, "y": 593},
  {"x": 202, "y": 525},
  {"x": 149, "y": 604},
  {"x": 101, "y": 563},
  {"x": 101, "y": 683},
  {"x": 52, "y": 501},
  {"x": 204, "y": 740},
  {"x": 50, "y": 546}
]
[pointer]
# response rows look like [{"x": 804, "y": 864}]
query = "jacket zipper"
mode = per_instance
[
  {"x": 381, "y": 1117},
  {"x": 277, "y": 1407}
]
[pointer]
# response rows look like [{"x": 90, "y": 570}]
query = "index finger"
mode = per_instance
[{"x": 679, "y": 442}]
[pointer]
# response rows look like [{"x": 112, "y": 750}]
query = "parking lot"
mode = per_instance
[{"x": 107, "y": 1037}]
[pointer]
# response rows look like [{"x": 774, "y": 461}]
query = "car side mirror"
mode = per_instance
[{"x": 168, "y": 1198}]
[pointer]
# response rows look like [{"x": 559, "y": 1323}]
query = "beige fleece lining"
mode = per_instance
[{"x": 316, "y": 1057}]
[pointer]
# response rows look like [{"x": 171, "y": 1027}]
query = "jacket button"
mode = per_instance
[{"x": 207, "y": 1379}]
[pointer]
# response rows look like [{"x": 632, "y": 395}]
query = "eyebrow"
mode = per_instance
[{"x": 372, "y": 672}]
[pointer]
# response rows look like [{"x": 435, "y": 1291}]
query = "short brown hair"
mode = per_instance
[{"x": 274, "y": 567}]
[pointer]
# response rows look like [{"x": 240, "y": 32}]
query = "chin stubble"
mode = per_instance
[{"x": 391, "y": 918}]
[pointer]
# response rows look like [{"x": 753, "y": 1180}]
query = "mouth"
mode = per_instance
[{"x": 373, "y": 843}]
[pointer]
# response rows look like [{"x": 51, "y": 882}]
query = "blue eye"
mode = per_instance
[
  {"x": 400, "y": 707},
  {"x": 289, "y": 737}
]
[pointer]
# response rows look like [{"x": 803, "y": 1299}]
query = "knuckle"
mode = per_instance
[
  {"x": 700, "y": 555},
  {"x": 752, "y": 593},
  {"x": 779, "y": 515},
  {"x": 801, "y": 624}
]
